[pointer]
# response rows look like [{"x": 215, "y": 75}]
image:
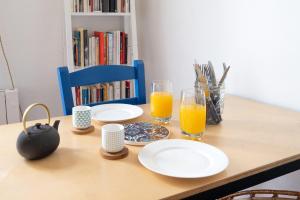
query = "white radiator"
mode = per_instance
[{"x": 9, "y": 106}]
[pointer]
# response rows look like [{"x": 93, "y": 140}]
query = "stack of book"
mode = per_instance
[
  {"x": 115, "y": 6},
  {"x": 99, "y": 48},
  {"x": 103, "y": 92}
]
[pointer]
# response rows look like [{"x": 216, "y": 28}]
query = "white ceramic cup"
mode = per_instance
[
  {"x": 81, "y": 117},
  {"x": 113, "y": 137}
]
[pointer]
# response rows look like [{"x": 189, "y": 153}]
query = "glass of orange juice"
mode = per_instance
[
  {"x": 193, "y": 113},
  {"x": 161, "y": 101}
]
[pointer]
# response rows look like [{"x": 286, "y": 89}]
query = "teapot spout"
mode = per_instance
[{"x": 56, "y": 124}]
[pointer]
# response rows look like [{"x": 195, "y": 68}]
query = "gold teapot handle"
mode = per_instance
[{"x": 24, "y": 120}]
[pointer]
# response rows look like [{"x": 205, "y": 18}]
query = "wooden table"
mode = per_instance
[{"x": 261, "y": 141}]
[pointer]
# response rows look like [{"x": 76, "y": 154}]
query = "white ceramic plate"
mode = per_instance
[
  {"x": 183, "y": 158},
  {"x": 115, "y": 112}
]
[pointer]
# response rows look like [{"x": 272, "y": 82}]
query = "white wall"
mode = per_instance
[
  {"x": 33, "y": 36},
  {"x": 260, "y": 39}
]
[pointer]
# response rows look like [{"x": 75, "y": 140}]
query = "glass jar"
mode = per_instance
[{"x": 214, "y": 102}]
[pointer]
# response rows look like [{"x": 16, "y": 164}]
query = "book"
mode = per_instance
[
  {"x": 117, "y": 90},
  {"x": 86, "y": 47},
  {"x": 90, "y": 50},
  {"x": 81, "y": 47},
  {"x": 131, "y": 89},
  {"x": 97, "y": 51},
  {"x": 105, "y": 5},
  {"x": 102, "y": 51},
  {"x": 86, "y": 5},
  {"x": 110, "y": 48},
  {"x": 101, "y": 92},
  {"x": 76, "y": 45},
  {"x": 93, "y": 51},
  {"x": 127, "y": 89},
  {"x": 123, "y": 89},
  {"x": 118, "y": 6},
  {"x": 112, "y": 5},
  {"x": 110, "y": 92}
]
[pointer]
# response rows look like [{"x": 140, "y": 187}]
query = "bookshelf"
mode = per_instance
[
  {"x": 102, "y": 22},
  {"x": 98, "y": 21}
]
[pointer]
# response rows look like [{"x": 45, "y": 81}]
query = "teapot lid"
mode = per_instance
[{"x": 39, "y": 128}]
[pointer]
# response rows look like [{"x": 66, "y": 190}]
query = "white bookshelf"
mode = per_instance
[{"x": 98, "y": 21}]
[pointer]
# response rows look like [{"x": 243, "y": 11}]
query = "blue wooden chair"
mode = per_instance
[{"x": 101, "y": 74}]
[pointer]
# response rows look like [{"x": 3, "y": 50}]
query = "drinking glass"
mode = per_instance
[
  {"x": 161, "y": 101},
  {"x": 193, "y": 113}
]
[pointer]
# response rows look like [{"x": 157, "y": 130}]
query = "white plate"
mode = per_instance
[
  {"x": 115, "y": 112},
  {"x": 183, "y": 158}
]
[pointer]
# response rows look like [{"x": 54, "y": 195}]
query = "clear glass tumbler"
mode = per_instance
[
  {"x": 161, "y": 101},
  {"x": 193, "y": 113}
]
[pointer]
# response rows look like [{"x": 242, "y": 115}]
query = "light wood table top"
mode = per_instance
[{"x": 255, "y": 136}]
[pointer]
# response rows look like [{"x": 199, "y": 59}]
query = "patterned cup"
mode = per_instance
[
  {"x": 81, "y": 116},
  {"x": 112, "y": 137}
]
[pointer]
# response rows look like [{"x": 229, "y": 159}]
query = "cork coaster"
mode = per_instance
[
  {"x": 114, "y": 156},
  {"x": 83, "y": 131}
]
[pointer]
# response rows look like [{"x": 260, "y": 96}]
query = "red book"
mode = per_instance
[
  {"x": 92, "y": 5},
  {"x": 123, "y": 48},
  {"x": 102, "y": 50},
  {"x": 77, "y": 93}
]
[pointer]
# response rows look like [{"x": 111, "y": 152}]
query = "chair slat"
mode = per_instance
[{"x": 101, "y": 74}]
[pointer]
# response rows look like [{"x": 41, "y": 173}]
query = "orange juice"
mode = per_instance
[
  {"x": 161, "y": 104},
  {"x": 192, "y": 118}
]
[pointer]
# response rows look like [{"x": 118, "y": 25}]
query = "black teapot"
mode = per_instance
[{"x": 40, "y": 140}]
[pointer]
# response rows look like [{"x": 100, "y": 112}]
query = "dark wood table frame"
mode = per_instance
[{"x": 247, "y": 182}]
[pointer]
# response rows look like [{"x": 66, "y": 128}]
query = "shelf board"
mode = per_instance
[{"x": 87, "y": 14}]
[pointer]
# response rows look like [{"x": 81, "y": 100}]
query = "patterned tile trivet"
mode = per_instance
[{"x": 142, "y": 133}]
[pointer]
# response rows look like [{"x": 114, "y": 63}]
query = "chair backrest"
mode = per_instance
[{"x": 101, "y": 74}]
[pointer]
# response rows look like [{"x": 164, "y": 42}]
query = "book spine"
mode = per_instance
[
  {"x": 123, "y": 89},
  {"x": 93, "y": 50},
  {"x": 105, "y": 48},
  {"x": 101, "y": 92},
  {"x": 110, "y": 48},
  {"x": 86, "y": 48},
  {"x": 112, "y": 5},
  {"x": 117, "y": 90},
  {"x": 131, "y": 93},
  {"x": 97, "y": 51},
  {"x": 111, "y": 92},
  {"x": 105, "y": 6},
  {"x": 115, "y": 47},
  {"x": 101, "y": 49},
  {"x": 122, "y": 5},
  {"x": 127, "y": 5},
  {"x": 86, "y": 5},
  {"x": 98, "y": 93},
  {"x": 90, "y": 50},
  {"x": 81, "y": 47},
  {"x": 119, "y": 6},
  {"x": 76, "y": 36},
  {"x": 126, "y": 49},
  {"x": 127, "y": 89},
  {"x": 118, "y": 46}
]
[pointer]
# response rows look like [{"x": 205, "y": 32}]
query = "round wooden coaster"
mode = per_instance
[
  {"x": 83, "y": 131},
  {"x": 114, "y": 156}
]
